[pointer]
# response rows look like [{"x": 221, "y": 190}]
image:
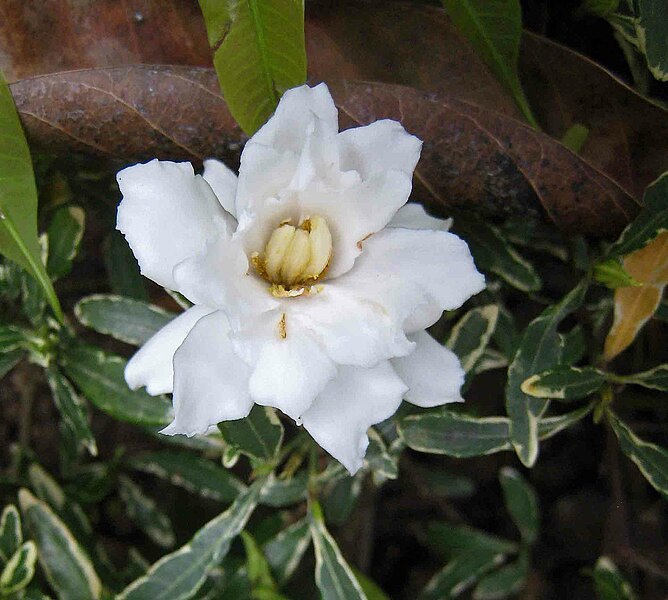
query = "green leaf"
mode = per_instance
[
  {"x": 608, "y": 582},
  {"x": 179, "y": 575},
  {"x": 11, "y": 535},
  {"x": 601, "y": 8},
  {"x": 492, "y": 253},
  {"x": 651, "y": 28},
  {"x": 564, "y": 383},
  {"x": 259, "y": 52},
  {"x": 72, "y": 409},
  {"x": 144, "y": 512},
  {"x": 64, "y": 234},
  {"x": 99, "y": 376},
  {"x": 382, "y": 463},
  {"x": 654, "y": 379},
  {"x": 128, "y": 320},
  {"x": 460, "y": 573},
  {"x": 285, "y": 551},
  {"x": 20, "y": 569},
  {"x": 259, "y": 435},
  {"x": 18, "y": 199},
  {"x": 652, "y": 460},
  {"x": 470, "y": 336},
  {"x": 550, "y": 426},
  {"x": 284, "y": 492},
  {"x": 452, "y": 540},
  {"x": 9, "y": 360},
  {"x": 540, "y": 349},
  {"x": 193, "y": 473},
  {"x": 444, "y": 432},
  {"x": 339, "y": 497},
  {"x": 575, "y": 137},
  {"x": 521, "y": 502},
  {"x": 333, "y": 575},
  {"x": 122, "y": 269},
  {"x": 64, "y": 562},
  {"x": 257, "y": 566},
  {"x": 370, "y": 588},
  {"x": 494, "y": 29},
  {"x": 505, "y": 582},
  {"x": 650, "y": 222},
  {"x": 611, "y": 274}
]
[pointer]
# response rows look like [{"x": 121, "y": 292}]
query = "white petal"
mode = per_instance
[
  {"x": 151, "y": 366},
  {"x": 220, "y": 277},
  {"x": 223, "y": 182},
  {"x": 210, "y": 380},
  {"x": 288, "y": 372},
  {"x": 432, "y": 373},
  {"x": 167, "y": 215},
  {"x": 414, "y": 216},
  {"x": 406, "y": 269},
  {"x": 354, "y": 330},
  {"x": 378, "y": 147},
  {"x": 348, "y": 406}
]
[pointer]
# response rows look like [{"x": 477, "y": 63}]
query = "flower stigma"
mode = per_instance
[{"x": 295, "y": 257}]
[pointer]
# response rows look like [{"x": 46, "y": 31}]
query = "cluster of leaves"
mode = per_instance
[{"x": 543, "y": 360}]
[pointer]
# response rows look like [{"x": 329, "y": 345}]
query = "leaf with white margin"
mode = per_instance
[
  {"x": 609, "y": 583},
  {"x": 564, "y": 383},
  {"x": 550, "y": 426},
  {"x": 540, "y": 349},
  {"x": 333, "y": 575},
  {"x": 66, "y": 565},
  {"x": 654, "y": 379},
  {"x": 521, "y": 502},
  {"x": 445, "y": 432},
  {"x": 145, "y": 513},
  {"x": 505, "y": 582},
  {"x": 284, "y": 552},
  {"x": 652, "y": 460},
  {"x": 470, "y": 336},
  {"x": 11, "y": 534},
  {"x": 20, "y": 569},
  {"x": 179, "y": 575},
  {"x": 130, "y": 321}
]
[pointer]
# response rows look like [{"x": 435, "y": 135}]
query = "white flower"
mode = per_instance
[{"x": 312, "y": 280}]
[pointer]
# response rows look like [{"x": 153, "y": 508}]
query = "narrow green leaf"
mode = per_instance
[
  {"x": 64, "y": 234},
  {"x": 654, "y": 379},
  {"x": 445, "y": 432},
  {"x": 382, "y": 463},
  {"x": 259, "y": 52},
  {"x": 575, "y": 137},
  {"x": 340, "y": 496},
  {"x": 122, "y": 269},
  {"x": 652, "y": 460},
  {"x": 650, "y": 222},
  {"x": 333, "y": 575},
  {"x": 550, "y": 426},
  {"x": 612, "y": 274},
  {"x": 20, "y": 569},
  {"x": 259, "y": 435},
  {"x": 601, "y": 8},
  {"x": 452, "y": 540},
  {"x": 505, "y": 582},
  {"x": 284, "y": 492},
  {"x": 192, "y": 473},
  {"x": 609, "y": 583},
  {"x": 539, "y": 350},
  {"x": 179, "y": 575},
  {"x": 64, "y": 562},
  {"x": 470, "y": 336},
  {"x": 285, "y": 551},
  {"x": 128, "y": 320},
  {"x": 11, "y": 535},
  {"x": 521, "y": 502},
  {"x": 99, "y": 376},
  {"x": 460, "y": 573},
  {"x": 492, "y": 253},
  {"x": 564, "y": 383},
  {"x": 651, "y": 29},
  {"x": 11, "y": 338},
  {"x": 494, "y": 29},
  {"x": 573, "y": 345},
  {"x": 9, "y": 360},
  {"x": 145, "y": 513},
  {"x": 18, "y": 199},
  {"x": 257, "y": 566},
  {"x": 72, "y": 409},
  {"x": 370, "y": 588}
]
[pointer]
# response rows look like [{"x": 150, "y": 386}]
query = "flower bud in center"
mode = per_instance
[{"x": 296, "y": 256}]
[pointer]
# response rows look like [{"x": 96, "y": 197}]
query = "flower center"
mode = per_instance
[{"x": 295, "y": 257}]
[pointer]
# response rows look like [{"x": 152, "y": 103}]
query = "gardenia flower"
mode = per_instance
[{"x": 311, "y": 279}]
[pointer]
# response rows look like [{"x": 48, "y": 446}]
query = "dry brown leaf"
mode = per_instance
[{"x": 634, "y": 306}]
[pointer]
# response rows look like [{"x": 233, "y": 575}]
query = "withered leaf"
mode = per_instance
[{"x": 472, "y": 157}]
